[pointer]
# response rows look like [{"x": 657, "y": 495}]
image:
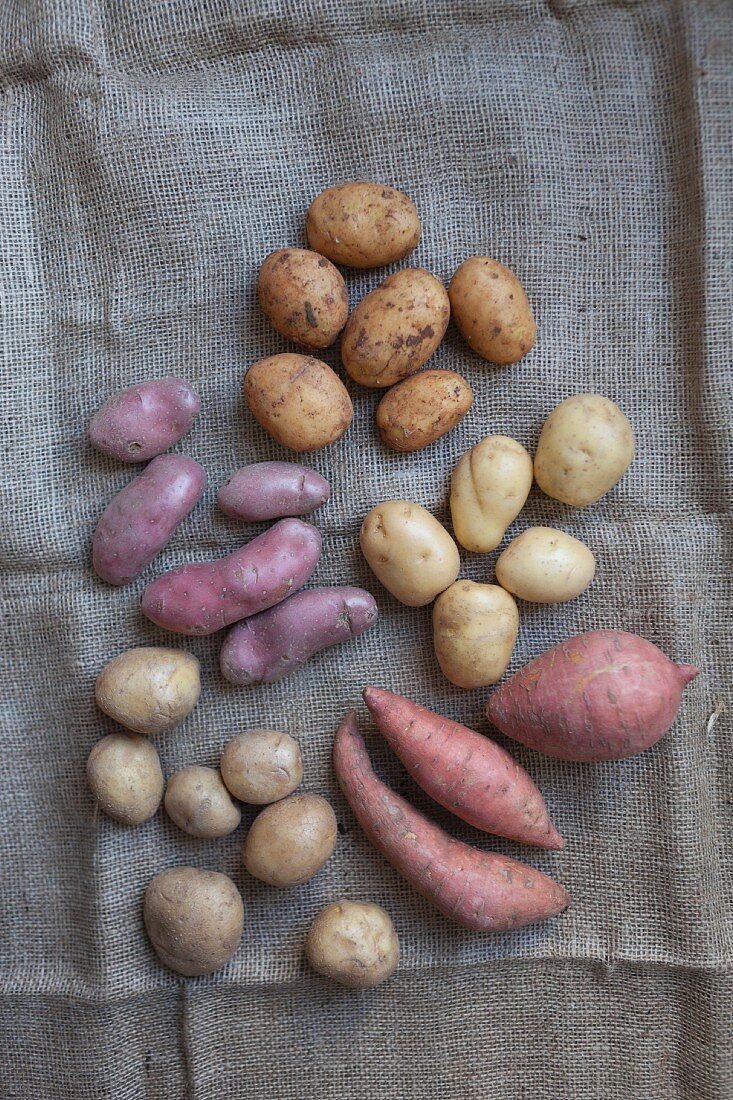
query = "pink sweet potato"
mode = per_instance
[
  {"x": 468, "y": 774},
  {"x": 270, "y": 645},
  {"x": 203, "y": 598},
  {"x": 143, "y": 421},
  {"x": 139, "y": 521},
  {"x": 481, "y": 890},
  {"x": 269, "y": 490},
  {"x": 603, "y": 695}
]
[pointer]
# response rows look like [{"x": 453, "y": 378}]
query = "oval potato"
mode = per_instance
[
  {"x": 423, "y": 408},
  {"x": 199, "y": 803},
  {"x": 194, "y": 919},
  {"x": 412, "y": 555},
  {"x": 125, "y": 777},
  {"x": 303, "y": 296},
  {"x": 474, "y": 632},
  {"x": 395, "y": 329},
  {"x": 353, "y": 943},
  {"x": 544, "y": 565},
  {"x": 299, "y": 400},
  {"x": 489, "y": 487},
  {"x": 362, "y": 224},
  {"x": 149, "y": 689},
  {"x": 586, "y": 445},
  {"x": 491, "y": 309},
  {"x": 261, "y": 766},
  {"x": 290, "y": 840}
]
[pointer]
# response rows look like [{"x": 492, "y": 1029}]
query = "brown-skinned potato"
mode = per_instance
[
  {"x": 491, "y": 309},
  {"x": 415, "y": 413},
  {"x": 194, "y": 919},
  {"x": 303, "y": 296},
  {"x": 290, "y": 840},
  {"x": 299, "y": 400},
  {"x": 125, "y": 777},
  {"x": 199, "y": 803},
  {"x": 149, "y": 689},
  {"x": 363, "y": 224},
  {"x": 353, "y": 943}
]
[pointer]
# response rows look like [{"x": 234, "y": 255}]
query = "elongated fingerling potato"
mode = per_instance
[
  {"x": 415, "y": 413},
  {"x": 303, "y": 296},
  {"x": 271, "y": 490},
  {"x": 363, "y": 224},
  {"x": 144, "y": 420}
]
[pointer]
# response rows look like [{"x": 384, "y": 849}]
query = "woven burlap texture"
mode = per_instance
[{"x": 152, "y": 154}]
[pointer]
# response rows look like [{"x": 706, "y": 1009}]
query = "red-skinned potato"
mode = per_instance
[
  {"x": 144, "y": 420},
  {"x": 272, "y": 490}
]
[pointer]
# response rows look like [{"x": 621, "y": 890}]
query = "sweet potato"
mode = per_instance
[
  {"x": 602, "y": 695},
  {"x": 274, "y": 643},
  {"x": 140, "y": 520},
  {"x": 468, "y": 774},
  {"x": 481, "y": 890},
  {"x": 269, "y": 490},
  {"x": 143, "y": 421},
  {"x": 203, "y": 598}
]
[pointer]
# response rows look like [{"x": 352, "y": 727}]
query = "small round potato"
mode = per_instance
[
  {"x": 354, "y": 943},
  {"x": 585, "y": 447},
  {"x": 194, "y": 919},
  {"x": 199, "y": 803},
  {"x": 125, "y": 777},
  {"x": 299, "y": 400},
  {"x": 544, "y": 565},
  {"x": 149, "y": 689},
  {"x": 363, "y": 224},
  {"x": 303, "y": 296},
  {"x": 290, "y": 840},
  {"x": 423, "y": 408},
  {"x": 489, "y": 486},
  {"x": 409, "y": 551},
  {"x": 395, "y": 329},
  {"x": 491, "y": 309},
  {"x": 262, "y": 766},
  {"x": 474, "y": 631}
]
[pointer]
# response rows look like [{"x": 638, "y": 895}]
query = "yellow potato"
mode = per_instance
[
  {"x": 299, "y": 400},
  {"x": 474, "y": 631},
  {"x": 489, "y": 486},
  {"x": 149, "y": 689},
  {"x": 199, "y": 803},
  {"x": 362, "y": 224},
  {"x": 423, "y": 408},
  {"x": 353, "y": 943},
  {"x": 303, "y": 296},
  {"x": 125, "y": 776},
  {"x": 409, "y": 551},
  {"x": 395, "y": 329},
  {"x": 290, "y": 840},
  {"x": 490, "y": 307},
  {"x": 194, "y": 919},
  {"x": 545, "y": 566},
  {"x": 585, "y": 447}
]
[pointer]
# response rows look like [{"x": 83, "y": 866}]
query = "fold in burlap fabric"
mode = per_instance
[{"x": 152, "y": 154}]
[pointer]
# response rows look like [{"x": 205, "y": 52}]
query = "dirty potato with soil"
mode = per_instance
[
  {"x": 303, "y": 296},
  {"x": 363, "y": 224},
  {"x": 299, "y": 400},
  {"x": 491, "y": 309},
  {"x": 423, "y": 408}
]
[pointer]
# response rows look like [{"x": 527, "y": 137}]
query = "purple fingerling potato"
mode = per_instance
[
  {"x": 268, "y": 490},
  {"x": 143, "y": 421},
  {"x": 139, "y": 521},
  {"x": 203, "y": 598},
  {"x": 276, "y": 642}
]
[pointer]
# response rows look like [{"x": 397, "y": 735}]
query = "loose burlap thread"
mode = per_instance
[{"x": 153, "y": 154}]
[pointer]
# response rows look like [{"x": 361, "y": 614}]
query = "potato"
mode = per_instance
[
  {"x": 140, "y": 520},
  {"x": 409, "y": 551},
  {"x": 423, "y": 408},
  {"x": 303, "y": 296},
  {"x": 489, "y": 486},
  {"x": 199, "y": 803},
  {"x": 145, "y": 420},
  {"x": 290, "y": 840},
  {"x": 194, "y": 919},
  {"x": 585, "y": 447},
  {"x": 395, "y": 329},
  {"x": 474, "y": 631},
  {"x": 354, "y": 943},
  {"x": 149, "y": 689},
  {"x": 125, "y": 777},
  {"x": 298, "y": 400},
  {"x": 544, "y": 565},
  {"x": 362, "y": 224},
  {"x": 491, "y": 309},
  {"x": 262, "y": 766},
  {"x": 271, "y": 490}
]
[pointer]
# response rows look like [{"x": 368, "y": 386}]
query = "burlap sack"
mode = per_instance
[{"x": 152, "y": 154}]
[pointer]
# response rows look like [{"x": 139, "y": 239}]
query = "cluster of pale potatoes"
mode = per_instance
[{"x": 195, "y": 917}]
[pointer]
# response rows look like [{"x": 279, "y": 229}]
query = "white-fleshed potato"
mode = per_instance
[
  {"x": 194, "y": 919},
  {"x": 290, "y": 840},
  {"x": 412, "y": 554},
  {"x": 491, "y": 309},
  {"x": 363, "y": 224},
  {"x": 261, "y": 766},
  {"x": 199, "y": 803},
  {"x": 303, "y": 296},
  {"x": 544, "y": 565},
  {"x": 474, "y": 632},
  {"x": 353, "y": 943},
  {"x": 489, "y": 487},
  {"x": 149, "y": 689},
  {"x": 586, "y": 446},
  {"x": 125, "y": 777}
]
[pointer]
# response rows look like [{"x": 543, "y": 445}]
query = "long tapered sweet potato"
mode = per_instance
[
  {"x": 602, "y": 695},
  {"x": 470, "y": 775},
  {"x": 481, "y": 890}
]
